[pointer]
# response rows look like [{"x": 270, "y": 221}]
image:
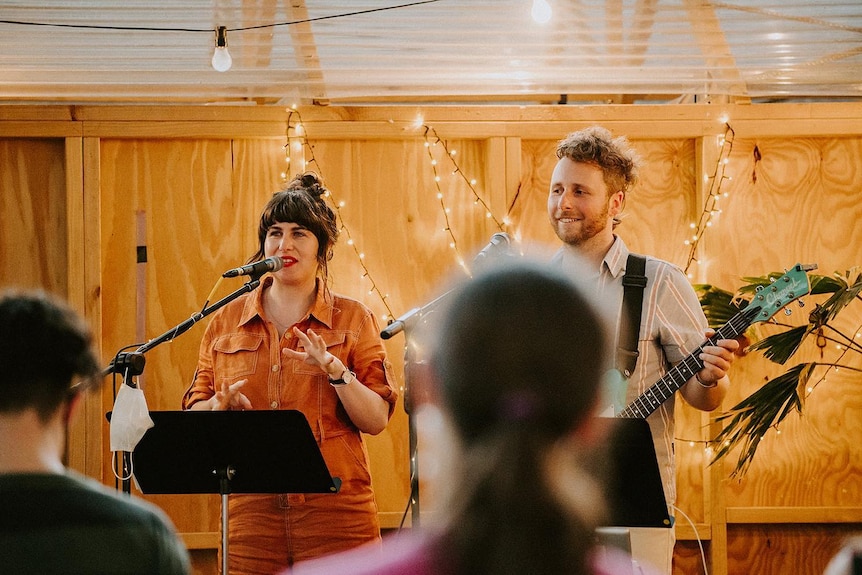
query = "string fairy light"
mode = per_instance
[
  {"x": 471, "y": 182},
  {"x": 432, "y": 139},
  {"x": 714, "y": 194},
  {"x": 296, "y": 138},
  {"x": 708, "y": 446},
  {"x": 704, "y": 445},
  {"x": 448, "y": 229},
  {"x": 835, "y": 366}
]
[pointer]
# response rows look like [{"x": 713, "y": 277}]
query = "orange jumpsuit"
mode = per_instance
[{"x": 269, "y": 532}]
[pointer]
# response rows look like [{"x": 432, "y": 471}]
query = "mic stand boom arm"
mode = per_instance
[
  {"x": 408, "y": 319},
  {"x": 187, "y": 324},
  {"x": 132, "y": 363}
]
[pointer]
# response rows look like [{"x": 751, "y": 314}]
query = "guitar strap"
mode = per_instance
[{"x": 634, "y": 282}]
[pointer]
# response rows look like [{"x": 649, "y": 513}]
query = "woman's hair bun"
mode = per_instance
[{"x": 311, "y": 182}]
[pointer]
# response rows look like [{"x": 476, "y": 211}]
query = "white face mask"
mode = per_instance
[{"x": 130, "y": 418}]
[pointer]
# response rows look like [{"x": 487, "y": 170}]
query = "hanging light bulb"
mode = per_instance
[
  {"x": 221, "y": 57},
  {"x": 541, "y": 11}
]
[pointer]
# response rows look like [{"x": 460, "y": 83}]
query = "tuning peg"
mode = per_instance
[
  {"x": 801, "y": 302},
  {"x": 788, "y": 311}
]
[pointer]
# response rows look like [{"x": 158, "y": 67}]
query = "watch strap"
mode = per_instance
[{"x": 344, "y": 379}]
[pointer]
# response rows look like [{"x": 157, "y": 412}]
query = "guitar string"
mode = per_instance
[{"x": 656, "y": 395}]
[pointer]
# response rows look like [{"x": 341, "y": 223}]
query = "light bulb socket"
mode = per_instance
[{"x": 221, "y": 37}]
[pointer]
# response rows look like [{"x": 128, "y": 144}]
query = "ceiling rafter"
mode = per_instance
[
  {"x": 307, "y": 57},
  {"x": 716, "y": 50}
]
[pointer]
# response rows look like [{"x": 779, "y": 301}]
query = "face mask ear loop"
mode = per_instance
[{"x": 114, "y": 468}]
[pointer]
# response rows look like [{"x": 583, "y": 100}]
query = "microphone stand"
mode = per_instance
[
  {"x": 131, "y": 364},
  {"x": 499, "y": 245},
  {"x": 406, "y": 323}
]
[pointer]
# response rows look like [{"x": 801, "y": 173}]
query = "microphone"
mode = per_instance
[
  {"x": 498, "y": 245},
  {"x": 270, "y": 264},
  {"x": 398, "y": 325}
]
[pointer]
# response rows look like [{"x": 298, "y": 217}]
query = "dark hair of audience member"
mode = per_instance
[
  {"x": 519, "y": 356},
  {"x": 45, "y": 350}
]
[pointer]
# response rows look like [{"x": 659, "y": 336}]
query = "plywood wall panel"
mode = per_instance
[
  {"x": 774, "y": 550},
  {"x": 180, "y": 191},
  {"x": 663, "y": 204},
  {"x": 397, "y": 220},
  {"x": 692, "y": 460},
  {"x": 688, "y": 557},
  {"x": 529, "y": 208},
  {"x": 810, "y": 460},
  {"x": 790, "y": 200},
  {"x": 33, "y": 214}
]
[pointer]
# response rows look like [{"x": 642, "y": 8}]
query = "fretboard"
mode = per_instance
[{"x": 679, "y": 374}]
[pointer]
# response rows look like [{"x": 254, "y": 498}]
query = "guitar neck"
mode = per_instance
[{"x": 679, "y": 374}]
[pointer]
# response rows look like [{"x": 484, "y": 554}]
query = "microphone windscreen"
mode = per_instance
[{"x": 277, "y": 263}]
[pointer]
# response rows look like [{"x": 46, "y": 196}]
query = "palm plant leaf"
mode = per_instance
[
  {"x": 747, "y": 422},
  {"x": 751, "y": 418},
  {"x": 779, "y": 347},
  {"x": 844, "y": 292},
  {"x": 825, "y": 284}
]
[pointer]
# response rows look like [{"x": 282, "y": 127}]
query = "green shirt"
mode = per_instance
[{"x": 52, "y": 523}]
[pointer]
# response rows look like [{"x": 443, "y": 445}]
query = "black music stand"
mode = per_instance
[
  {"x": 230, "y": 452},
  {"x": 635, "y": 494},
  {"x": 632, "y": 483}
]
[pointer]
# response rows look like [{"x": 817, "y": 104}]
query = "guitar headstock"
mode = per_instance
[{"x": 785, "y": 289}]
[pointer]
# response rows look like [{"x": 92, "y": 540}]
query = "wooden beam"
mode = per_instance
[
  {"x": 94, "y": 412},
  {"x": 305, "y": 48},
  {"x": 201, "y": 540},
  {"x": 758, "y": 515},
  {"x": 255, "y": 52},
  {"x": 716, "y": 51},
  {"x": 697, "y": 532},
  {"x": 39, "y": 129},
  {"x": 75, "y": 281},
  {"x": 399, "y": 122}
]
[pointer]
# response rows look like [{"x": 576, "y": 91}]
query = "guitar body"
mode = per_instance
[{"x": 614, "y": 387}]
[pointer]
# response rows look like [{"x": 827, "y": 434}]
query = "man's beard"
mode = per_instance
[{"x": 583, "y": 231}]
